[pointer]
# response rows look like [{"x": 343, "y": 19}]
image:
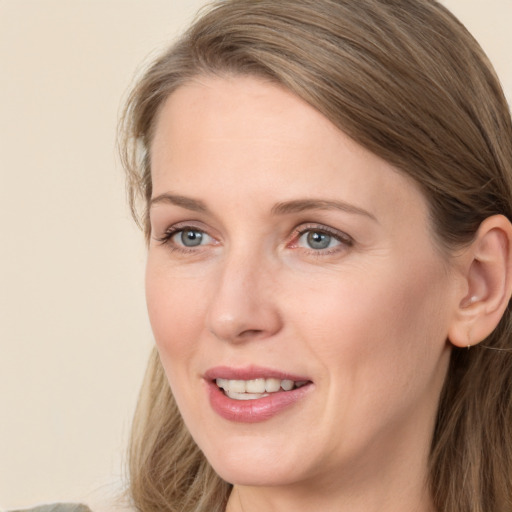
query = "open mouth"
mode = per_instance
[{"x": 256, "y": 388}]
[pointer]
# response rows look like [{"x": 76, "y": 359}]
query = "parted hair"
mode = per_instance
[{"x": 406, "y": 80}]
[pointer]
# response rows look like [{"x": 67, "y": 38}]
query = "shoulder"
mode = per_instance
[{"x": 58, "y": 507}]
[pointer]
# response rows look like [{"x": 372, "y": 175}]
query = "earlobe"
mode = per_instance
[{"x": 488, "y": 279}]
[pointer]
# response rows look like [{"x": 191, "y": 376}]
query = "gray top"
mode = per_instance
[{"x": 58, "y": 507}]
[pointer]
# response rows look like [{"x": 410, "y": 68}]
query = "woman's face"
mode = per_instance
[{"x": 283, "y": 254}]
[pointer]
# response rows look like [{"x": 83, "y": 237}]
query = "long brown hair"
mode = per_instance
[{"x": 405, "y": 80}]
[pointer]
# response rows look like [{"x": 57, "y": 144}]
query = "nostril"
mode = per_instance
[
  {"x": 243, "y": 335},
  {"x": 250, "y": 333}
]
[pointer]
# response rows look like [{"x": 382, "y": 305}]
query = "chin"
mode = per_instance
[
  {"x": 248, "y": 474},
  {"x": 259, "y": 466}
]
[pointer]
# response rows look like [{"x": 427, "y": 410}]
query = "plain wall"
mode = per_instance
[{"x": 74, "y": 337}]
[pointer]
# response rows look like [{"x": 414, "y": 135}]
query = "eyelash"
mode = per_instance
[
  {"x": 343, "y": 239},
  {"x": 166, "y": 238}
]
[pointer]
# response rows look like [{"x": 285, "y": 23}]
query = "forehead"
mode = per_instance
[
  {"x": 214, "y": 107},
  {"x": 260, "y": 138}
]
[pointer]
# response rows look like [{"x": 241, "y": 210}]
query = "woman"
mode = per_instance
[{"x": 327, "y": 193}]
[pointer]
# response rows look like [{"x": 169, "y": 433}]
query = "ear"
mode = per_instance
[{"x": 487, "y": 273}]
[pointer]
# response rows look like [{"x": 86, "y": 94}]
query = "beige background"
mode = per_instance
[{"x": 73, "y": 332}]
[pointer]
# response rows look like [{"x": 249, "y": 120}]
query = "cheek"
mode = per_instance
[
  {"x": 174, "y": 313},
  {"x": 381, "y": 332},
  {"x": 176, "y": 322}
]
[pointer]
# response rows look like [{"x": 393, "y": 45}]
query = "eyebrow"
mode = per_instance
[
  {"x": 301, "y": 205},
  {"x": 284, "y": 208},
  {"x": 185, "y": 202}
]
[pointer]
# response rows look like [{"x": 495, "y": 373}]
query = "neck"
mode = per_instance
[{"x": 254, "y": 499}]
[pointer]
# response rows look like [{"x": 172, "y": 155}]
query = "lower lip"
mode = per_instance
[{"x": 253, "y": 411}]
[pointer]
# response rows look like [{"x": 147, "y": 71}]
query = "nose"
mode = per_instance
[{"x": 244, "y": 306}]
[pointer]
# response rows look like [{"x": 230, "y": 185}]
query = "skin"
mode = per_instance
[{"x": 366, "y": 320}]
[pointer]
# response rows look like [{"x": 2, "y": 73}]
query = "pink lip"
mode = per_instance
[
  {"x": 252, "y": 411},
  {"x": 250, "y": 372}
]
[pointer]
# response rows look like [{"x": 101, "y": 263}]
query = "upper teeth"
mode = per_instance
[{"x": 257, "y": 385}]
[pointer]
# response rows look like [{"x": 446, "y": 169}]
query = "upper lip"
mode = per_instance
[{"x": 250, "y": 373}]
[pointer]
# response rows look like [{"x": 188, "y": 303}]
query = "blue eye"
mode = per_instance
[
  {"x": 186, "y": 239},
  {"x": 317, "y": 240},
  {"x": 190, "y": 237}
]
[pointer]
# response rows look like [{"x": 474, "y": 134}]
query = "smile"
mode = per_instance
[
  {"x": 254, "y": 393},
  {"x": 254, "y": 389}
]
